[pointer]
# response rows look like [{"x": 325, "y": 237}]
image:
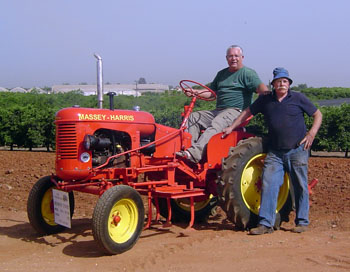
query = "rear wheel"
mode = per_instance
[
  {"x": 40, "y": 207},
  {"x": 239, "y": 185},
  {"x": 118, "y": 219}
]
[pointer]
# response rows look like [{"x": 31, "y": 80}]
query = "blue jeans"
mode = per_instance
[{"x": 277, "y": 162}]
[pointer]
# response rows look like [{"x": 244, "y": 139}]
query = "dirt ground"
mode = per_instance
[{"x": 211, "y": 246}]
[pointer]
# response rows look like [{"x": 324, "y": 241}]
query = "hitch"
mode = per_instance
[{"x": 311, "y": 185}]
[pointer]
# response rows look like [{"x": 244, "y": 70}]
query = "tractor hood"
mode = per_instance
[{"x": 104, "y": 115}]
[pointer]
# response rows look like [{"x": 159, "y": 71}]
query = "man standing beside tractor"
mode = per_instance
[
  {"x": 288, "y": 144},
  {"x": 234, "y": 87}
]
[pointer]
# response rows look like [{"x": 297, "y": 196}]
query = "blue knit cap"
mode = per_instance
[{"x": 281, "y": 72}]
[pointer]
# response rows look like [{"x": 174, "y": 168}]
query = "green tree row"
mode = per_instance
[
  {"x": 27, "y": 120},
  {"x": 326, "y": 93}
]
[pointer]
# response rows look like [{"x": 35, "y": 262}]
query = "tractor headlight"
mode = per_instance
[
  {"x": 96, "y": 143},
  {"x": 85, "y": 157},
  {"x": 90, "y": 142}
]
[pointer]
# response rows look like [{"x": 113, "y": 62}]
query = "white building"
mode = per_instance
[
  {"x": 119, "y": 89},
  {"x": 3, "y": 89},
  {"x": 18, "y": 90},
  {"x": 37, "y": 89}
]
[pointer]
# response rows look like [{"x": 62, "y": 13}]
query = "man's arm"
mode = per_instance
[
  {"x": 310, "y": 135},
  {"x": 240, "y": 119},
  {"x": 262, "y": 89}
]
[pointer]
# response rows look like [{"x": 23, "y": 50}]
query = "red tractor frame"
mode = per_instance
[{"x": 120, "y": 155}]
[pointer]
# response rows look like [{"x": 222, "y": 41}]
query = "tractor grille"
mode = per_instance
[{"x": 66, "y": 142}]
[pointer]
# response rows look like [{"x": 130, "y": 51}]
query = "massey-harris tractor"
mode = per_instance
[{"x": 120, "y": 155}]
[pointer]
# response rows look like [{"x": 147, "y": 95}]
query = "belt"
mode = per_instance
[{"x": 237, "y": 109}]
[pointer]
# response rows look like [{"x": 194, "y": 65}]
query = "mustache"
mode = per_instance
[{"x": 282, "y": 88}]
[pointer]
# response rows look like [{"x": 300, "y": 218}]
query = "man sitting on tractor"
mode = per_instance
[{"x": 234, "y": 87}]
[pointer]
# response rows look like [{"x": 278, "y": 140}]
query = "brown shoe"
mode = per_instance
[
  {"x": 260, "y": 229},
  {"x": 299, "y": 229}
]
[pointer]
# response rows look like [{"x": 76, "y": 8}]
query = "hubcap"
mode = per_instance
[{"x": 122, "y": 220}]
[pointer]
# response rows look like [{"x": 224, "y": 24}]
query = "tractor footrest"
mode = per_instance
[
  {"x": 176, "y": 192},
  {"x": 179, "y": 191}
]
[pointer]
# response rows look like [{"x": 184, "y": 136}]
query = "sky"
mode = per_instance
[{"x": 50, "y": 42}]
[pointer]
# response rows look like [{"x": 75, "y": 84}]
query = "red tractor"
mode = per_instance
[{"x": 120, "y": 155}]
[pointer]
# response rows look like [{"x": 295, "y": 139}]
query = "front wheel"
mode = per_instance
[
  {"x": 239, "y": 185},
  {"x": 118, "y": 219},
  {"x": 40, "y": 207}
]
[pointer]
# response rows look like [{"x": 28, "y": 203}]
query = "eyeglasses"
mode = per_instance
[{"x": 234, "y": 56}]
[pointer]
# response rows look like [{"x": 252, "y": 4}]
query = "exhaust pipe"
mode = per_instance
[{"x": 99, "y": 81}]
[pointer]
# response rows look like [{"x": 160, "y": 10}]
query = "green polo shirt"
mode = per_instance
[{"x": 235, "y": 90}]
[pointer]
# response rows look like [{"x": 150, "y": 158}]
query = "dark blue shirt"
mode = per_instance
[{"x": 285, "y": 119}]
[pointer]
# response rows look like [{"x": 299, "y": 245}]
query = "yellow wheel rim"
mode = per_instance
[
  {"x": 251, "y": 185},
  {"x": 122, "y": 220},
  {"x": 185, "y": 203},
  {"x": 47, "y": 210}
]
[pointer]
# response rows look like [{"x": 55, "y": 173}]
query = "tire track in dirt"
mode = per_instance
[
  {"x": 211, "y": 247},
  {"x": 332, "y": 261},
  {"x": 186, "y": 240}
]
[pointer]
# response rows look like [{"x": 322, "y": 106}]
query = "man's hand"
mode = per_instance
[
  {"x": 226, "y": 131},
  {"x": 242, "y": 117},
  {"x": 191, "y": 92},
  {"x": 262, "y": 89},
  {"x": 308, "y": 139},
  {"x": 266, "y": 92},
  {"x": 310, "y": 136}
]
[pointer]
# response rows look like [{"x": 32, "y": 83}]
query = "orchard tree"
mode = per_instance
[{"x": 141, "y": 80}]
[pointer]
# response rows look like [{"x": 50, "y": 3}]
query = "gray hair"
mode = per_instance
[{"x": 234, "y": 46}]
